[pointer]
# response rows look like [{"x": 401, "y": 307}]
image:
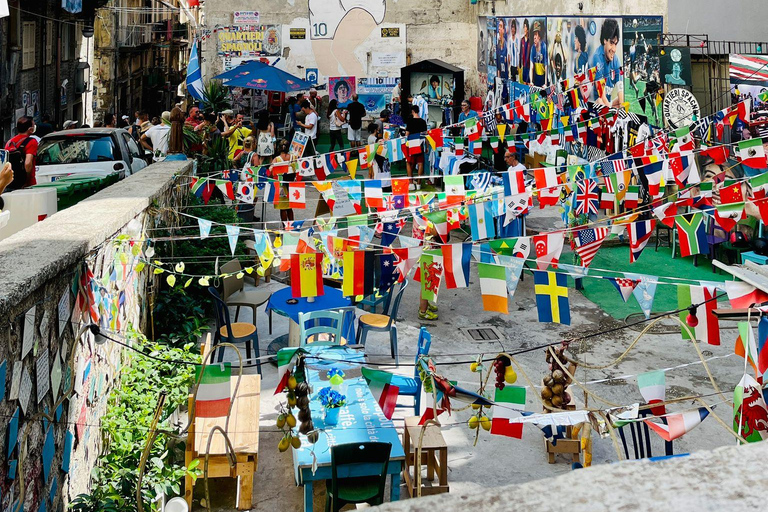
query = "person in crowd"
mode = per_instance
[
  {"x": 45, "y": 127},
  {"x": 607, "y": 63},
  {"x": 155, "y": 120},
  {"x": 310, "y": 123},
  {"x": 538, "y": 63},
  {"x": 109, "y": 120},
  {"x": 356, "y": 113},
  {"x": 580, "y": 57},
  {"x": 283, "y": 205},
  {"x": 466, "y": 112},
  {"x": 124, "y": 123},
  {"x": 513, "y": 164},
  {"x": 337, "y": 118},
  {"x": 248, "y": 155},
  {"x": 136, "y": 130},
  {"x": 315, "y": 100},
  {"x": 194, "y": 119},
  {"x": 210, "y": 131},
  {"x": 70, "y": 125},
  {"x": 525, "y": 52},
  {"x": 384, "y": 116},
  {"x": 234, "y": 132},
  {"x": 298, "y": 113},
  {"x": 6, "y": 176},
  {"x": 155, "y": 139},
  {"x": 25, "y": 142},
  {"x": 265, "y": 138},
  {"x": 415, "y": 125}
]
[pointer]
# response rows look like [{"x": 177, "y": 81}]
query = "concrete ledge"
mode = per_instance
[
  {"x": 726, "y": 479},
  {"x": 32, "y": 256}
]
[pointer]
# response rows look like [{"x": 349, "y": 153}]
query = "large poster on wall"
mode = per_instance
[
  {"x": 641, "y": 66},
  {"x": 491, "y": 47},
  {"x": 435, "y": 86},
  {"x": 341, "y": 89}
]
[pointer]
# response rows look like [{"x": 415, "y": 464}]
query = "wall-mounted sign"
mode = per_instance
[
  {"x": 246, "y": 18},
  {"x": 312, "y": 75},
  {"x": 681, "y": 108},
  {"x": 390, "y": 32},
  {"x": 249, "y": 41},
  {"x": 298, "y": 33}
]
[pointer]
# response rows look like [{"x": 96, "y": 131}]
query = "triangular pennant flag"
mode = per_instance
[
  {"x": 653, "y": 387},
  {"x": 644, "y": 292},
  {"x": 233, "y": 232},
  {"x": 678, "y": 424},
  {"x": 514, "y": 267},
  {"x": 639, "y": 235},
  {"x": 382, "y": 388},
  {"x": 624, "y": 286},
  {"x": 205, "y": 227}
]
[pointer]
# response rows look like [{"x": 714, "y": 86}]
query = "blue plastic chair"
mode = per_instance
[
  {"x": 384, "y": 322},
  {"x": 328, "y": 322},
  {"x": 412, "y": 386}
]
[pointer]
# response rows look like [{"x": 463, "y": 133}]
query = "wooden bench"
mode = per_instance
[{"x": 244, "y": 428}]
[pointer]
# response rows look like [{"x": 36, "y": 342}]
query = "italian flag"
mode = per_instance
[
  {"x": 653, "y": 387},
  {"x": 678, "y": 424},
  {"x": 708, "y": 328},
  {"x": 382, "y": 389},
  {"x": 213, "y": 393},
  {"x": 508, "y": 403},
  {"x": 285, "y": 360},
  {"x": 493, "y": 287},
  {"x": 752, "y": 153}
]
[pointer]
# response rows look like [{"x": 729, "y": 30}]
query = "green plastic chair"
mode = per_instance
[
  {"x": 330, "y": 323},
  {"x": 349, "y": 459}
]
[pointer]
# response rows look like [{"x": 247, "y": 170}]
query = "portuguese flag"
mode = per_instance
[
  {"x": 307, "y": 274},
  {"x": 358, "y": 273},
  {"x": 213, "y": 393}
]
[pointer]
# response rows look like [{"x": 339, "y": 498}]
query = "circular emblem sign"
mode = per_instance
[
  {"x": 271, "y": 43},
  {"x": 680, "y": 108}
]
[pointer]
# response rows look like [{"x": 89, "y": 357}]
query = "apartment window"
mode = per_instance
[
  {"x": 49, "y": 39},
  {"x": 67, "y": 41},
  {"x": 78, "y": 35},
  {"x": 28, "y": 37}
]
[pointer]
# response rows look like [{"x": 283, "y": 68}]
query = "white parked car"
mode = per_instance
[{"x": 89, "y": 152}]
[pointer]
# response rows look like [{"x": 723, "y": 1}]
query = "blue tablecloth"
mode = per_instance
[
  {"x": 331, "y": 299},
  {"x": 361, "y": 420}
]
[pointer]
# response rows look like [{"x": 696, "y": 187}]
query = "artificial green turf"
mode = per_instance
[{"x": 616, "y": 258}]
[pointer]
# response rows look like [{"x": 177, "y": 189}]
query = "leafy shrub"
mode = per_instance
[{"x": 125, "y": 428}]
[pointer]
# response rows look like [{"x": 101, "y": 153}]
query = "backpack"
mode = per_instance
[{"x": 17, "y": 157}]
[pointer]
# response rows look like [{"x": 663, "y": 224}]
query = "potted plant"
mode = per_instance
[{"x": 332, "y": 400}]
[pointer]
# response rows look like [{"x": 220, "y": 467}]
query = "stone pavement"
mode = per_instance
[{"x": 498, "y": 461}]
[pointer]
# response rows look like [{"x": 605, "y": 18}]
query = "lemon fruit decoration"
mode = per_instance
[
  {"x": 280, "y": 421},
  {"x": 485, "y": 422},
  {"x": 290, "y": 420},
  {"x": 284, "y": 443},
  {"x": 296, "y": 442},
  {"x": 510, "y": 376},
  {"x": 473, "y": 367},
  {"x": 473, "y": 422},
  {"x": 292, "y": 382}
]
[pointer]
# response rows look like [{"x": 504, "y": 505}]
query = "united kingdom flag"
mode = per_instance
[{"x": 587, "y": 197}]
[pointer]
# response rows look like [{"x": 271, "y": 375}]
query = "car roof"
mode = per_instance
[{"x": 74, "y": 132}]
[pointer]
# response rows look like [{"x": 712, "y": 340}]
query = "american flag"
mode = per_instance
[{"x": 588, "y": 241}]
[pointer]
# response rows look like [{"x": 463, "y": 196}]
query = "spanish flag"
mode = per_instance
[
  {"x": 358, "y": 273},
  {"x": 307, "y": 274}
]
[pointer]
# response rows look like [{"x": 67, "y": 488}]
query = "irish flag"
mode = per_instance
[
  {"x": 456, "y": 259},
  {"x": 678, "y": 424},
  {"x": 380, "y": 384},
  {"x": 285, "y": 360},
  {"x": 213, "y": 393},
  {"x": 752, "y": 153},
  {"x": 653, "y": 387},
  {"x": 493, "y": 287},
  {"x": 509, "y": 403}
]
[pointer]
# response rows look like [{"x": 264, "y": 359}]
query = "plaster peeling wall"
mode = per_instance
[{"x": 440, "y": 29}]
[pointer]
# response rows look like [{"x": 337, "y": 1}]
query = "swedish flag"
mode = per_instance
[{"x": 552, "y": 297}]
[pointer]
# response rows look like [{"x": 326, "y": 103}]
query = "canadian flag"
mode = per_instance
[
  {"x": 548, "y": 248},
  {"x": 297, "y": 195},
  {"x": 523, "y": 110}
]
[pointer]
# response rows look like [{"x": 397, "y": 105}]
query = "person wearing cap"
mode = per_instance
[
  {"x": 137, "y": 129},
  {"x": 69, "y": 125},
  {"x": 155, "y": 138},
  {"x": 315, "y": 100}
]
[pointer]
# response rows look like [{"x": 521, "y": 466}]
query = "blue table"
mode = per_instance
[
  {"x": 361, "y": 420},
  {"x": 331, "y": 299}
]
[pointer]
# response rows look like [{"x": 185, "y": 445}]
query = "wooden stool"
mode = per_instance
[
  {"x": 564, "y": 446},
  {"x": 434, "y": 453}
]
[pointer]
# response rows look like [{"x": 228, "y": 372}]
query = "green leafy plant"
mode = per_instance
[
  {"x": 125, "y": 430},
  {"x": 216, "y": 97},
  {"x": 216, "y": 157},
  {"x": 179, "y": 318}
]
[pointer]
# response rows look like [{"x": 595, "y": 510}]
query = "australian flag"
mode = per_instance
[
  {"x": 386, "y": 270},
  {"x": 390, "y": 232}
]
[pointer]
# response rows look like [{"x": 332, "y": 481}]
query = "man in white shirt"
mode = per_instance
[
  {"x": 310, "y": 122},
  {"x": 510, "y": 157},
  {"x": 158, "y": 136}
]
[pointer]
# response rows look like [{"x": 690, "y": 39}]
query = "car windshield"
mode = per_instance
[{"x": 76, "y": 150}]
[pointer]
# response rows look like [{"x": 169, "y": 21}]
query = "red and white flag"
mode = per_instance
[
  {"x": 456, "y": 258},
  {"x": 297, "y": 197},
  {"x": 548, "y": 248}
]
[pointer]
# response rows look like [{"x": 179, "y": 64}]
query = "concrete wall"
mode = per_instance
[
  {"x": 441, "y": 29},
  {"x": 735, "y": 20},
  {"x": 728, "y": 478},
  {"x": 41, "y": 264},
  {"x": 570, "y": 8}
]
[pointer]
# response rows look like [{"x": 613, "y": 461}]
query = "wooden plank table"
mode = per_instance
[
  {"x": 360, "y": 421},
  {"x": 244, "y": 429}
]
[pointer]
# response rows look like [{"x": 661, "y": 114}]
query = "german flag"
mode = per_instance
[
  {"x": 307, "y": 274},
  {"x": 358, "y": 273},
  {"x": 573, "y": 95}
]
